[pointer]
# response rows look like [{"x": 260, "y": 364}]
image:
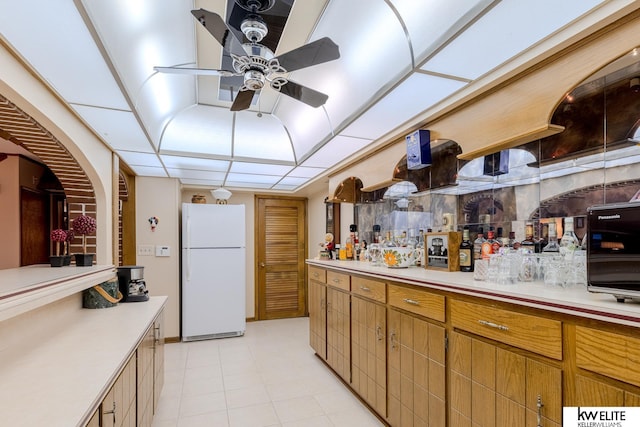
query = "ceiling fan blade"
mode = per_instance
[
  {"x": 304, "y": 94},
  {"x": 194, "y": 71},
  {"x": 314, "y": 53},
  {"x": 243, "y": 100},
  {"x": 219, "y": 30}
]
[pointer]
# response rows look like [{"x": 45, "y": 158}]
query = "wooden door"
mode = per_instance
[
  {"x": 34, "y": 228},
  {"x": 281, "y": 251}
]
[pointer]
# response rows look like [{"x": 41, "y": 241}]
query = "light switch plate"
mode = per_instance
[
  {"x": 163, "y": 251},
  {"x": 145, "y": 250}
]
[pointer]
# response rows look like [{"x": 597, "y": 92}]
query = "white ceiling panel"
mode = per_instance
[
  {"x": 206, "y": 182},
  {"x": 429, "y": 24},
  {"x": 236, "y": 178},
  {"x": 140, "y": 159},
  {"x": 414, "y": 95},
  {"x": 197, "y": 163},
  {"x": 335, "y": 151},
  {"x": 99, "y": 56},
  {"x": 195, "y": 174},
  {"x": 149, "y": 171},
  {"x": 305, "y": 172},
  {"x": 119, "y": 129},
  {"x": 514, "y": 26},
  {"x": 259, "y": 168},
  {"x": 62, "y": 50},
  {"x": 200, "y": 129},
  {"x": 261, "y": 137}
]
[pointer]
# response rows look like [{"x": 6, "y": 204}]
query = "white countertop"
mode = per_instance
[
  {"x": 27, "y": 288},
  {"x": 58, "y": 382},
  {"x": 574, "y": 301}
]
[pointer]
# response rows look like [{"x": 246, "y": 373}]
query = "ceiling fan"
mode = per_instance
[{"x": 256, "y": 62}]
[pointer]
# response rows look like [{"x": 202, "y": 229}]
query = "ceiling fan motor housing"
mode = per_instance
[{"x": 254, "y": 80}]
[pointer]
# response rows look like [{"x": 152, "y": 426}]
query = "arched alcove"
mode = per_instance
[{"x": 22, "y": 129}]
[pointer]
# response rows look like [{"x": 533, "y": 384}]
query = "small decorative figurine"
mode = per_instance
[
  {"x": 329, "y": 245},
  {"x": 153, "y": 221}
]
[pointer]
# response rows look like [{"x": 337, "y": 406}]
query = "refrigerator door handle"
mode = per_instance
[{"x": 188, "y": 246}]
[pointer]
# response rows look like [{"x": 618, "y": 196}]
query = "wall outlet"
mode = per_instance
[{"x": 145, "y": 250}]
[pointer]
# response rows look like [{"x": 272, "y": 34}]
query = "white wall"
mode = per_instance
[{"x": 160, "y": 197}]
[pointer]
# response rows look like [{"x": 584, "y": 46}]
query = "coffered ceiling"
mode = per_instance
[{"x": 398, "y": 59}]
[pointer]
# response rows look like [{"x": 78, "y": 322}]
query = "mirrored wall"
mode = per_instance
[{"x": 594, "y": 161}]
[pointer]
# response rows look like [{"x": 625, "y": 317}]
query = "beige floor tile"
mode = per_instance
[
  {"x": 202, "y": 403},
  {"x": 297, "y": 409},
  {"x": 217, "y": 419},
  {"x": 248, "y": 396},
  {"x": 253, "y": 416}
]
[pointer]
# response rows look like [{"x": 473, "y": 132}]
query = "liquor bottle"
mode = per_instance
[
  {"x": 495, "y": 243},
  {"x": 504, "y": 241},
  {"x": 487, "y": 245},
  {"x": 569, "y": 241},
  {"x": 542, "y": 241},
  {"x": 513, "y": 243},
  {"x": 528, "y": 242},
  {"x": 420, "y": 260},
  {"x": 348, "y": 246},
  {"x": 477, "y": 244},
  {"x": 466, "y": 251},
  {"x": 553, "y": 245}
]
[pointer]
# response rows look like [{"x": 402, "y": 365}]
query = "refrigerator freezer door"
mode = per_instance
[
  {"x": 213, "y": 226},
  {"x": 213, "y": 296}
]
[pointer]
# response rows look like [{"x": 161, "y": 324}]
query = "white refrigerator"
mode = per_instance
[{"x": 213, "y": 271}]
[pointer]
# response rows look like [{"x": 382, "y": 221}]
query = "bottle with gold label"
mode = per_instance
[{"x": 466, "y": 252}]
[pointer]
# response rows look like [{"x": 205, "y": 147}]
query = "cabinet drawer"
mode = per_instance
[
  {"x": 338, "y": 280},
  {"x": 608, "y": 353},
  {"x": 533, "y": 333},
  {"x": 317, "y": 274},
  {"x": 368, "y": 288},
  {"x": 417, "y": 301}
]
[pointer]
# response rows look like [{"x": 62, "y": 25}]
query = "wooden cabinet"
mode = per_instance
[
  {"x": 158, "y": 359},
  {"x": 145, "y": 379},
  {"x": 318, "y": 311},
  {"x": 339, "y": 332},
  {"x": 493, "y": 386},
  {"x": 94, "y": 421},
  {"x": 416, "y": 371},
  {"x": 118, "y": 408},
  {"x": 461, "y": 360},
  {"x": 369, "y": 352}
]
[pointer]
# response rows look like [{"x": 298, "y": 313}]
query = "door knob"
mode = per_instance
[{"x": 262, "y": 264}]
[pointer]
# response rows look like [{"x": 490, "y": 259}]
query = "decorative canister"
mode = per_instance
[{"x": 198, "y": 198}]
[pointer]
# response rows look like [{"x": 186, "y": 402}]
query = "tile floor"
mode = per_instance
[{"x": 268, "y": 377}]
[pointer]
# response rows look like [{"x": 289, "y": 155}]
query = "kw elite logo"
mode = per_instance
[{"x": 601, "y": 416}]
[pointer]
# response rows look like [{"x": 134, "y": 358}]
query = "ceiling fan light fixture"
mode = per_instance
[{"x": 254, "y": 28}]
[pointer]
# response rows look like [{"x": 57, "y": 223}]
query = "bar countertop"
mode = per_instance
[{"x": 574, "y": 301}]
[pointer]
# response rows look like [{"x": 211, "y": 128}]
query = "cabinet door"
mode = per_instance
[
  {"x": 339, "y": 332},
  {"x": 318, "y": 318},
  {"x": 369, "y": 352},
  {"x": 493, "y": 386},
  {"x": 145, "y": 379},
  {"x": 158, "y": 359},
  {"x": 416, "y": 371}
]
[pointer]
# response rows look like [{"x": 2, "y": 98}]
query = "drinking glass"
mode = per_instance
[{"x": 480, "y": 269}]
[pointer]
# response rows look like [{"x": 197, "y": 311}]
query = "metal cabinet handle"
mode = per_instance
[
  {"x": 493, "y": 325},
  {"x": 379, "y": 334},
  {"x": 316, "y": 275},
  {"x": 336, "y": 280},
  {"x": 323, "y": 304},
  {"x": 411, "y": 301},
  {"x": 539, "y": 404},
  {"x": 328, "y": 307},
  {"x": 392, "y": 340},
  {"x": 156, "y": 334},
  {"x": 111, "y": 411},
  {"x": 364, "y": 288}
]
